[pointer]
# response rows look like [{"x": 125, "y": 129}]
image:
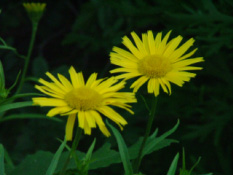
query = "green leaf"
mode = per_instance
[
  {"x": 104, "y": 157},
  {"x": 55, "y": 160},
  {"x": 2, "y": 78},
  {"x": 152, "y": 143},
  {"x": 2, "y": 167},
  {"x": 87, "y": 158},
  {"x": 89, "y": 152},
  {"x": 36, "y": 164},
  {"x": 16, "y": 105},
  {"x": 172, "y": 169},
  {"x": 28, "y": 116},
  {"x": 72, "y": 164},
  {"x": 123, "y": 151}
]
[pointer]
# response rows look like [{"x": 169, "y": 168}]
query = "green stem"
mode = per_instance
[
  {"x": 33, "y": 36},
  {"x": 148, "y": 130},
  {"x": 72, "y": 151}
]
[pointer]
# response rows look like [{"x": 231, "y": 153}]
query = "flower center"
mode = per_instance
[
  {"x": 83, "y": 98},
  {"x": 154, "y": 66}
]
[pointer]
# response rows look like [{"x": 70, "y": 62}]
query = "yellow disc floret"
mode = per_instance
[
  {"x": 154, "y": 66},
  {"x": 83, "y": 99}
]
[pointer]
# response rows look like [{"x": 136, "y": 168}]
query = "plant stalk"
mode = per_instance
[
  {"x": 72, "y": 151},
  {"x": 148, "y": 130},
  {"x": 27, "y": 59}
]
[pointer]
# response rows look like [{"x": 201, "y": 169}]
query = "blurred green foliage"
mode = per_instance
[{"x": 82, "y": 34}]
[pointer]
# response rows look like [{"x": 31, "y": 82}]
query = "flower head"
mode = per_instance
[
  {"x": 155, "y": 60},
  {"x": 86, "y": 101},
  {"x": 34, "y": 10}
]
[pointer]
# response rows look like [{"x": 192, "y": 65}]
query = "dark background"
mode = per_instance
[{"x": 82, "y": 34}]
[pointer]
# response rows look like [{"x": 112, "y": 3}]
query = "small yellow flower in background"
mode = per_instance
[
  {"x": 34, "y": 10},
  {"x": 85, "y": 100},
  {"x": 155, "y": 60}
]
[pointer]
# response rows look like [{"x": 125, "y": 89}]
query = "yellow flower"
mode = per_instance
[
  {"x": 34, "y": 10},
  {"x": 84, "y": 100},
  {"x": 155, "y": 60}
]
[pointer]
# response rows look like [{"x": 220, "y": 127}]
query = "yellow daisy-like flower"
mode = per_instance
[
  {"x": 155, "y": 60},
  {"x": 86, "y": 101},
  {"x": 34, "y": 10}
]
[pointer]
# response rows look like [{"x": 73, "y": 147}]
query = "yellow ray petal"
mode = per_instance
[
  {"x": 100, "y": 123},
  {"x": 56, "y": 81},
  {"x": 113, "y": 115},
  {"x": 145, "y": 43},
  {"x": 126, "y": 41},
  {"x": 139, "y": 44},
  {"x": 172, "y": 45},
  {"x": 187, "y": 62},
  {"x": 45, "y": 90},
  {"x": 87, "y": 129},
  {"x": 138, "y": 83},
  {"x": 156, "y": 87},
  {"x": 162, "y": 85},
  {"x": 163, "y": 43},
  {"x": 123, "y": 54},
  {"x": 74, "y": 77},
  {"x": 182, "y": 49},
  {"x": 58, "y": 110},
  {"x": 185, "y": 56},
  {"x": 90, "y": 119},
  {"x": 70, "y": 126},
  {"x": 158, "y": 39},
  {"x": 91, "y": 79},
  {"x": 65, "y": 82},
  {"x": 151, "y": 42},
  {"x": 43, "y": 101},
  {"x": 81, "y": 119},
  {"x": 52, "y": 86}
]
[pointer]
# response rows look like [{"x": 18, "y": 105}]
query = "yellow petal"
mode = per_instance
[
  {"x": 113, "y": 115},
  {"x": 91, "y": 79},
  {"x": 151, "y": 42},
  {"x": 65, "y": 82},
  {"x": 90, "y": 119},
  {"x": 81, "y": 119},
  {"x": 139, "y": 43},
  {"x": 58, "y": 110},
  {"x": 182, "y": 49},
  {"x": 172, "y": 45},
  {"x": 43, "y": 101},
  {"x": 131, "y": 47},
  {"x": 138, "y": 83},
  {"x": 70, "y": 127}
]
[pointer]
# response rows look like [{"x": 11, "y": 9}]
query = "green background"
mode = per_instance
[{"x": 82, "y": 34}]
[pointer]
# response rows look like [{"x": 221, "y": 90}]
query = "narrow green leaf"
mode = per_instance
[
  {"x": 90, "y": 150},
  {"x": 123, "y": 151},
  {"x": 199, "y": 159},
  {"x": 152, "y": 143},
  {"x": 16, "y": 105},
  {"x": 53, "y": 165},
  {"x": 87, "y": 158},
  {"x": 28, "y": 116},
  {"x": 16, "y": 80},
  {"x": 172, "y": 169},
  {"x": 2, "y": 77},
  {"x": 2, "y": 170},
  {"x": 7, "y": 48}
]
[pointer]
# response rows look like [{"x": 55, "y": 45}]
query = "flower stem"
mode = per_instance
[
  {"x": 27, "y": 59},
  {"x": 72, "y": 151},
  {"x": 148, "y": 129}
]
